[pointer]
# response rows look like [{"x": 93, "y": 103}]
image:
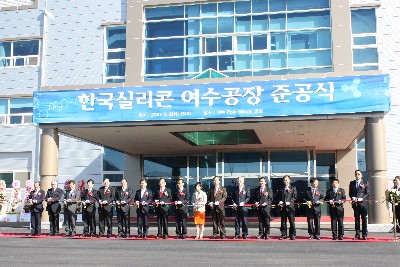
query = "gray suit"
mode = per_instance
[{"x": 70, "y": 210}]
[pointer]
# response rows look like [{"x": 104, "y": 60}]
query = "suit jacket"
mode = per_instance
[
  {"x": 108, "y": 195},
  {"x": 362, "y": 192},
  {"x": 124, "y": 195},
  {"x": 147, "y": 197},
  {"x": 39, "y": 197},
  {"x": 266, "y": 196},
  {"x": 54, "y": 206},
  {"x": 74, "y": 195},
  {"x": 89, "y": 207},
  {"x": 340, "y": 195},
  {"x": 184, "y": 197},
  {"x": 289, "y": 195},
  {"x": 241, "y": 196},
  {"x": 318, "y": 196},
  {"x": 164, "y": 196},
  {"x": 220, "y": 195}
]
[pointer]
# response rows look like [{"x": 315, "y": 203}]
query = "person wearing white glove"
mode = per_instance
[
  {"x": 199, "y": 199},
  {"x": 144, "y": 196},
  {"x": 218, "y": 195},
  {"x": 263, "y": 194},
  {"x": 313, "y": 196},
  {"x": 359, "y": 193},
  {"x": 181, "y": 197},
  {"x": 240, "y": 197},
  {"x": 54, "y": 195},
  {"x": 336, "y": 196},
  {"x": 70, "y": 212},
  {"x": 124, "y": 196},
  {"x": 106, "y": 194},
  {"x": 89, "y": 209},
  {"x": 162, "y": 196},
  {"x": 36, "y": 196},
  {"x": 287, "y": 195}
]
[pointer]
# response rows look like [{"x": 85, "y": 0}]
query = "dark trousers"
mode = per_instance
[
  {"x": 313, "y": 222},
  {"x": 162, "y": 223},
  {"x": 71, "y": 218},
  {"x": 36, "y": 225},
  {"x": 54, "y": 218},
  {"x": 287, "y": 215},
  {"x": 142, "y": 222},
  {"x": 89, "y": 222},
  {"x": 337, "y": 222},
  {"x": 124, "y": 222},
  {"x": 181, "y": 223},
  {"x": 264, "y": 219},
  {"x": 105, "y": 218},
  {"x": 218, "y": 219},
  {"x": 241, "y": 218},
  {"x": 361, "y": 212}
]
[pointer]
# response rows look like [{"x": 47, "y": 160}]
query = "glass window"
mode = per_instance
[
  {"x": 242, "y": 162},
  {"x": 243, "y": 62},
  {"x": 8, "y": 179},
  {"x": 5, "y": 49},
  {"x": 368, "y": 55},
  {"x": 289, "y": 162},
  {"x": 26, "y": 48},
  {"x": 113, "y": 160},
  {"x": 260, "y": 23},
  {"x": 208, "y": 10},
  {"x": 243, "y": 24},
  {"x": 365, "y": 40},
  {"x": 277, "y": 22},
  {"x": 19, "y": 53},
  {"x": 115, "y": 69},
  {"x": 193, "y": 46},
  {"x": 21, "y": 105},
  {"x": 225, "y": 44},
  {"x": 165, "y": 29},
  {"x": 226, "y": 25},
  {"x": 192, "y": 11},
  {"x": 116, "y": 37},
  {"x": 116, "y": 55},
  {"x": 260, "y": 61},
  {"x": 209, "y": 26},
  {"x": 168, "y": 65},
  {"x": 207, "y": 166},
  {"x": 303, "y": 5},
  {"x": 170, "y": 12},
  {"x": 363, "y": 21},
  {"x": 325, "y": 164},
  {"x": 193, "y": 27},
  {"x": 277, "y": 5},
  {"x": 260, "y": 42},
  {"x": 209, "y": 62},
  {"x": 193, "y": 64},
  {"x": 244, "y": 43},
  {"x": 165, "y": 166},
  {"x": 259, "y": 6},
  {"x": 211, "y": 45},
  {"x": 308, "y": 20},
  {"x": 225, "y": 8},
  {"x": 114, "y": 177},
  {"x": 165, "y": 48},
  {"x": 3, "y": 106},
  {"x": 309, "y": 58},
  {"x": 226, "y": 63},
  {"x": 277, "y": 60},
  {"x": 278, "y": 41},
  {"x": 243, "y": 7},
  {"x": 361, "y": 162}
]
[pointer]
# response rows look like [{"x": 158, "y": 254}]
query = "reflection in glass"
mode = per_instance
[{"x": 113, "y": 160}]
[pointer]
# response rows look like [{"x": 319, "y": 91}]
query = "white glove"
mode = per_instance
[
  {"x": 317, "y": 202},
  {"x": 280, "y": 203},
  {"x": 123, "y": 202},
  {"x": 87, "y": 201},
  {"x": 354, "y": 199},
  {"x": 257, "y": 204},
  {"x": 211, "y": 204},
  {"x": 234, "y": 205},
  {"x": 105, "y": 202},
  {"x": 137, "y": 202},
  {"x": 69, "y": 200},
  {"x": 144, "y": 203},
  {"x": 241, "y": 204},
  {"x": 339, "y": 201},
  {"x": 360, "y": 199},
  {"x": 216, "y": 203},
  {"x": 331, "y": 202},
  {"x": 179, "y": 202},
  {"x": 34, "y": 201},
  {"x": 264, "y": 204},
  {"x": 287, "y": 203},
  {"x": 49, "y": 199},
  {"x": 157, "y": 200},
  {"x": 162, "y": 202}
]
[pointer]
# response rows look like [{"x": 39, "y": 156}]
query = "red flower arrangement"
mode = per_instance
[
  {"x": 181, "y": 194},
  {"x": 147, "y": 194},
  {"x": 125, "y": 193}
]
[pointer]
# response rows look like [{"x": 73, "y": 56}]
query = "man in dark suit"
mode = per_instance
[
  {"x": 181, "y": 199},
  {"x": 336, "y": 197},
  {"x": 263, "y": 197},
  {"x": 162, "y": 198},
  {"x": 89, "y": 209},
  {"x": 122, "y": 198},
  {"x": 53, "y": 197},
  {"x": 394, "y": 201},
  {"x": 240, "y": 197},
  {"x": 216, "y": 198},
  {"x": 313, "y": 198},
  {"x": 143, "y": 198},
  {"x": 72, "y": 204},
  {"x": 105, "y": 196},
  {"x": 36, "y": 198},
  {"x": 286, "y": 198},
  {"x": 359, "y": 193}
]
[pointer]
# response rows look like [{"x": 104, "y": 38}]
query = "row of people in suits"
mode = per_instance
[{"x": 216, "y": 197}]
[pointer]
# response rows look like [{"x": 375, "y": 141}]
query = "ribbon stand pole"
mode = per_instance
[{"x": 394, "y": 222}]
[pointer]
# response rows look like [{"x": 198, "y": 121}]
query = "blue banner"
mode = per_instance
[{"x": 322, "y": 96}]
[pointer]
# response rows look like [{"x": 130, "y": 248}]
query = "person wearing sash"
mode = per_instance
[
  {"x": 199, "y": 200},
  {"x": 122, "y": 198},
  {"x": 314, "y": 197},
  {"x": 286, "y": 197},
  {"x": 262, "y": 198},
  {"x": 105, "y": 196},
  {"x": 89, "y": 209},
  {"x": 53, "y": 198},
  {"x": 240, "y": 197},
  {"x": 162, "y": 199},
  {"x": 336, "y": 197},
  {"x": 359, "y": 193},
  {"x": 143, "y": 198},
  {"x": 36, "y": 198},
  {"x": 181, "y": 199}
]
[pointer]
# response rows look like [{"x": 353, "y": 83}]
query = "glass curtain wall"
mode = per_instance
[{"x": 238, "y": 38}]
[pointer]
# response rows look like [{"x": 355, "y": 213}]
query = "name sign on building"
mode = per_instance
[{"x": 273, "y": 98}]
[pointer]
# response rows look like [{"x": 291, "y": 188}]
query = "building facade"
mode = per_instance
[{"x": 195, "y": 89}]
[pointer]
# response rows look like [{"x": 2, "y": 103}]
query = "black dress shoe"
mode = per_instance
[
  {"x": 140, "y": 236},
  {"x": 183, "y": 237},
  {"x": 260, "y": 236},
  {"x": 365, "y": 237},
  {"x": 72, "y": 235},
  {"x": 30, "y": 235},
  {"x": 214, "y": 237},
  {"x": 222, "y": 237},
  {"x": 236, "y": 237},
  {"x": 65, "y": 235},
  {"x": 158, "y": 236},
  {"x": 334, "y": 237},
  {"x": 317, "y": 237},
  {"x": 144, "y": 236},
  {"x": 283, "y": 237},
  {"x": 292, "y": 238},
  {"x": 266, "y": 237},
  {"x": 356, "y": 238},
  {"x": 244, "y": 236},
  {"x": 99, "y": 236},
  {"x": 165, "y": 237},
  {"x": 340, "y": 237},
  {"x": 108, "y": 235},
  {"x": 119, "y": 236},
  {"x": 310, "y": 237},
  {"x": 178, "y": 236}
]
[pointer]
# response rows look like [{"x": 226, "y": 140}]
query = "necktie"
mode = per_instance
[
  {"x": 313, "y": 192},
  {"x": 261, "y": 189},
  {"x": 161, "y": 192},
  {"x": 357, "y": 184}
]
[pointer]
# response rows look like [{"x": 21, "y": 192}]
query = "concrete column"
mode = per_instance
[
  {"x": 375, "y": 153},
  {"x": 48, "y": 164}
]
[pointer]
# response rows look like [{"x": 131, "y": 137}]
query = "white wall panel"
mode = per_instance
[{"x": 21, "y": 161}]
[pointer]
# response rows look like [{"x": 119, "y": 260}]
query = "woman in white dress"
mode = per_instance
[{"x": 199, "y": 200}]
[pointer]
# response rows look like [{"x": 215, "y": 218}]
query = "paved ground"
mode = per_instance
[{"x": 21, "y": 251}]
